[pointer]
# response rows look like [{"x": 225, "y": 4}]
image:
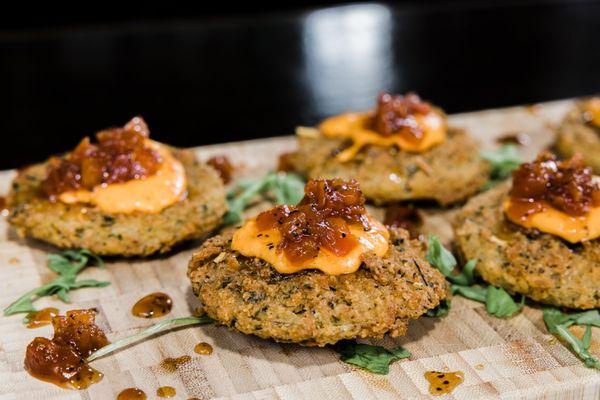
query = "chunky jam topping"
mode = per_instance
[
  {"x": 61, "y": 360},
  {"x": 399, "y": 121},
  {"x": 120, "y": 155},
  {"x": 320, "y": 220},
  {"x": 329, "y": 230},
  {"x": 564, "y": 185},
  {"x": 556, "y": 197},
  {"x": 395, "y": 114}
]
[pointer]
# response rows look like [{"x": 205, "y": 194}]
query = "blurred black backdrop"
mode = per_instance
[{"x": 225, "y": 72}]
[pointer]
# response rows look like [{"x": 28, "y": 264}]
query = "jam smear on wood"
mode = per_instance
[
  {"x": 395, "y": 114},
  {"x": 564, "y": 185},
  {"x": 320, "y": 220},
  {"x": 223, "y": 166},
  {"x": 61, "y": 360},
  {"x": 285, "y": 162},
  {"x": 403, "y": 216},
  {"x": 120, "y": 155},
  {"x": 35, "y": 319}
]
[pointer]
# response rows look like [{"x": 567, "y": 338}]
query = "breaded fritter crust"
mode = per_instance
[
  {"x": 137, "y": 234},
  {"x": 575, "y": 135},
  {"x": 538, "y": 265},
  {"x": 446, "y": 173},
  {"x": 311, "y": 307}
]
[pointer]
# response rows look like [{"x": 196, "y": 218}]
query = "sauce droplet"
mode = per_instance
[
  {"x": 203, "y": 348},
  {"x": 443, "y": 382},
  {"x": 166, "y": 391},
  {"x": 132, "y": 394},
  {"x": 172, "y": 364},
  {"x": 35, "y": 319},
  {"x": 153, "y": 305}
]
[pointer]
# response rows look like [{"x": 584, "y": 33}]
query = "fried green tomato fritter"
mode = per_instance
[
  {"x": 578, "y": 135},
  {"x": 310, "y": 307},
  {"x": 136, "y": 234},
  {"x": 539, "y": 265},
  {"x": 447, "y": 173}
]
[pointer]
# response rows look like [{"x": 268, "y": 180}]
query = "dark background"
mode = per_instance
[{"x": 227, "y": 72}]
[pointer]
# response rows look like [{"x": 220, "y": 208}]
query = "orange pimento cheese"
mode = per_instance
[
  {"x": 151, "y": 194},
  {"x": 252, "y": 242},
  {"x": 572, "y": 228},
  {"x": 357, "y": 127}
]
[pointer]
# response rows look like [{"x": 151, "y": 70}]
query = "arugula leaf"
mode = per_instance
[
  {"x": 283, "y": 188},
  {"x": 438, "y": 256},
  {"x": 503, "y": 161},
  {"x": 153, "y": 330},
  {"x": 375, "y": 359},
  {"x": 477, "y": 293},
  {"x": 67, "y": 265},
  {"x": 499, "y": 303},
  {"x": 441, "y": 310},
  {"x": 558, "y": 324}
]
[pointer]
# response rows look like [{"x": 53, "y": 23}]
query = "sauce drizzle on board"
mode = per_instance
[
  {"x": 203, "y": 348},
  {"x": 172, "y": 364},
  {"x": 443, "y": 382},
  {"x": 43, "y": 317},
  {"x": 132, "y": 394},
  {"x": 154, "y": 305},
  {"x": 166, "y": 391}
]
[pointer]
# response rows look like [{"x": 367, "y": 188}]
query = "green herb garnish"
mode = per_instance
[
  {"x": 497, "y": 301},
  {"x": 375, "y": 359},
  {"x": 153, "y": 330},
  {"x": 503, "y": 161},
  {"x": 558, "y": 324},
  {"x": 283, "y": 188},
  {"x": 67, "y": 265}
]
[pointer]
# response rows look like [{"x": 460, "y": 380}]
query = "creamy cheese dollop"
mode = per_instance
[
  {"x": 329, "y": 230},
  {"x": 401, "y": 121},
  {"x": 150, "y": 194},
  {"x": 252, "y": 242},
  {"x": 557, "y": 197}
]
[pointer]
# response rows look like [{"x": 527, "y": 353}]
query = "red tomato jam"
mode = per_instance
[
  {"x": 564, "y": 185},
  {"x": 403, "y": 216},
  {"x": 395, "y": 114},
  {"x": 321, "y": 220},
  {"x": 223, "y": 167},
  {"x": 120, "y": 155},
  {"x": 61, "y": 360}
]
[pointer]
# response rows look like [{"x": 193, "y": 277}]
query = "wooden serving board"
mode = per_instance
[{"x": 507, "y": 359}]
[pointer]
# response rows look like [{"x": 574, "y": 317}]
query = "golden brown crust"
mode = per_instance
[
  {"x": 577, "y": 136},
  {"x": 137, "y": 234},
  {"x": 538, "y": 265},
  {"x": 311, "y": 307},
  {"x": 446, "y": 173}
]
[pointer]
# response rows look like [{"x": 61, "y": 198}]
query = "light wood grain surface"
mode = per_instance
[{"x": 505, "y": 359}]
